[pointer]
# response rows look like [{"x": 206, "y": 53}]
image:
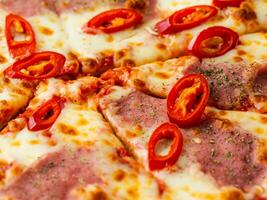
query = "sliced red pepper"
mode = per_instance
[
  {"x": 186, "y": 18},
  {"x": 45, "y": 116},
  {"x": 214, "y": 41},
  {"x": 187, "y": 100},
  {"x": 112, "y": 21},
  {"x": 165, "y": 131},
  {"x": 17, "y": 26},
  {"x": 227, "y": 3},
  {"x": 38, "y": 66}
]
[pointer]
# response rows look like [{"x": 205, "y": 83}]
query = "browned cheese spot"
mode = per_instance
[
  {"x": 161, "y": 46},
  {"x": 46, "y": 31},
  {"x": 99, "y": 195},
  {"x": 77, "y": 142},
  {"x": 222, "y": 113},
  {"x": 130, "y": 134},
  {"x": 246, "y": 13},
  {"x": 35, "y": 101},
  {"x": 2, "y": 59},
  {"x": 136, "y": 4},
  {"x": 241, "y": 52},
  {"x": 52, "y": 143},
  {"x": 238, "y": 59},
  {"x": 15, "y": 125},
  {"x": 121, "y": 54},
  {"x": 6, "y": 80},
  {"x": 66, "y": 129},
  {"x": 27, "y": 84},
  {"x": 89, "y": 66},
  {"x": 3, "y": 168},
  {"x": 263, "y": 120},
  {"x": 119, "y": 175},
  {"x": 232, "y": 194},
  {"x": 16, "y": 170},
  {"x": 109, "y": 38},
  {"x": 133, "y": 192},
  {"x": 34, "y": 142},
  {"x": 139, "y": 83},
  {"x": 128, "y": 63},
  {"x": 162, "y": 75},
  {"x": 262, "y": 151},
  {"x": 82, "y": 122}
]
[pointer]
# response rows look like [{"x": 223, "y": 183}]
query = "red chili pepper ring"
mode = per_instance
[
  {"x": 214, "y": 41},
  {"x": 46, "y": 115},
  {"x": 112, "y": 21},
  {"x": 17, "y": 25},
  {"x": 186, "y": 18},
  {"x": 165, "y": 131},
  {"x": 38, "y": 66},
  {"x": 187, "y": 100}
]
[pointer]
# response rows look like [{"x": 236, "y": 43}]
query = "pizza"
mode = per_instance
[
  {"x": 63, "y": 167},
  {"x": 133, "y": 100}
]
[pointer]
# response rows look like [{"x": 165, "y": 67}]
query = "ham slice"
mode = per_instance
[
  {"x": 27, "y": 8},
  {"x": 54, "y": 176},
  {"x": 226, "y": 152},
  {"x": 233, "y": 86}
]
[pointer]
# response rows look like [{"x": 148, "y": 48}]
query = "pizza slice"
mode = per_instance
[
  {"x": 233, "y": 86},
  {"x": 221, "y": 157},
  {"x": 103, "y": 34},
  {"x": 62, "y": 148}
]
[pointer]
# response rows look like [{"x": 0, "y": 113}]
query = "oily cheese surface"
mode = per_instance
[
  {"x": 98, "y": 127},
  {"x": 141, "y": 44}
]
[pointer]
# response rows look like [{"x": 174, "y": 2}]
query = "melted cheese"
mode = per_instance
[
  {"x": 188, "y": 181},
  {"x": 252, "y": 48},
  {"x": 49, "y": 33},
  {"x": 81, "y": 125},
  {"x": 140, "y": 45},
  {"x": 89, "y": 192},
  {"x": 129, "y": 44},
  {"x": 254, "y": 123},
  {"x": 24, "y": 147},
  {"x": 82, "y": 128},
  {"x": 159, "y": 77},
  {"x": 78, "y": 125},
  {"x": 260, "y": 7}
]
